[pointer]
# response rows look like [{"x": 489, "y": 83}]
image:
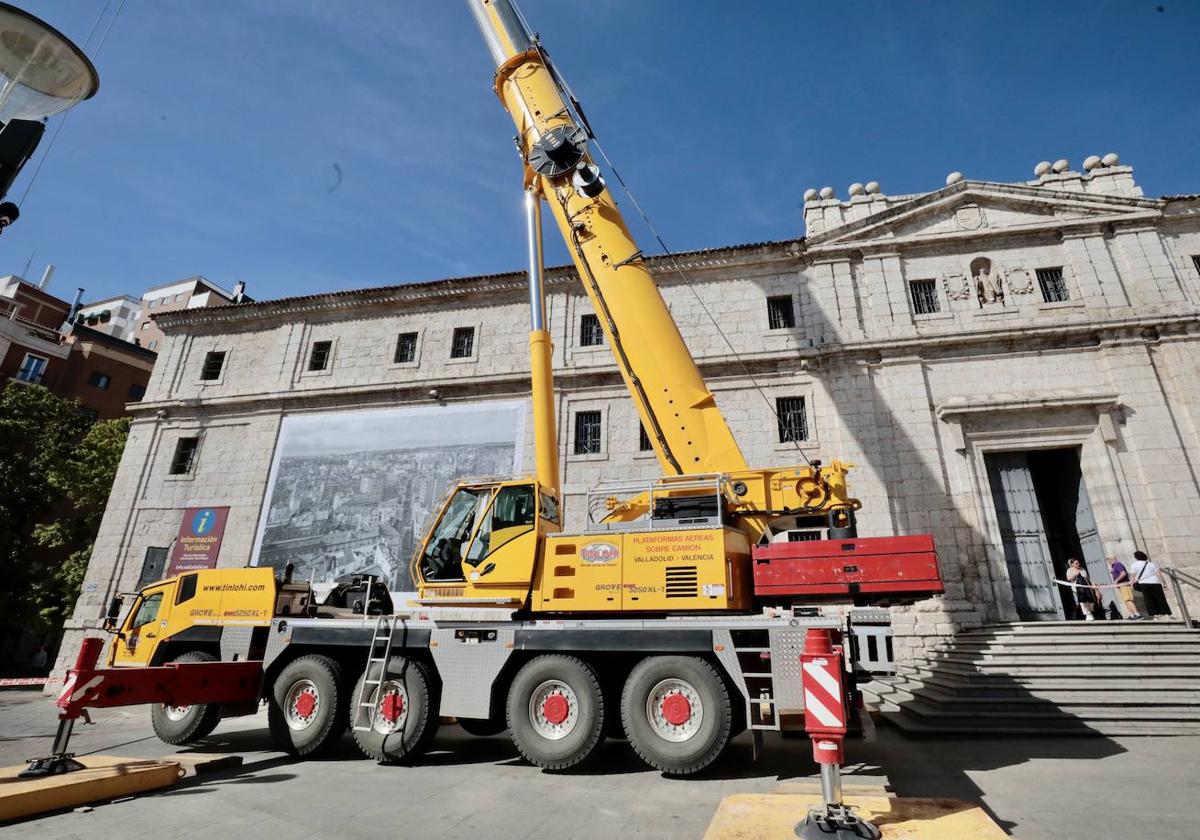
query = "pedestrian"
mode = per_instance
[
  {"x": 1082, "y": 589},
  {"x": 1120, "y": 576},
  {"x": 39, "y": 659},
  {"x": 1146, "y": 580}
]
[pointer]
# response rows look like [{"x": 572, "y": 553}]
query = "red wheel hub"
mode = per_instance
[
  {"x": 306, "y": 704},
  {"x": 555, "y": 709},
  {"x": 676, "y": 709},
  {"x": 391, "y": 706}
]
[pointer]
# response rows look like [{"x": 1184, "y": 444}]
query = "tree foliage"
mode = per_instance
[{"x": 55, "y": 475}]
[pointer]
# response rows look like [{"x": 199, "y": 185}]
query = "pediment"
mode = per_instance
[{"x": 979, "y": 208}]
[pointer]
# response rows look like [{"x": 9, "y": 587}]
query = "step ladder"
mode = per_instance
[{"x": 381, "y": 638}]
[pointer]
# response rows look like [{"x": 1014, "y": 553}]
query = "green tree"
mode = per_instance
[
  {"x": 84, "y": 479},
  {"x": 55, "y": 473}
]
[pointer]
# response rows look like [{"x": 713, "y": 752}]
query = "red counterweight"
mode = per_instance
[{"x": 861, "y": 570}]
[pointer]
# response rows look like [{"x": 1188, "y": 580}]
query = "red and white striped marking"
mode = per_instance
[{"x": 823, "y": 694}]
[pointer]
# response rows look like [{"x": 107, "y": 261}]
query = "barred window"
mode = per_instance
[
  {"x": 590, "y": 334},
  {"x": 924, "y": 297},
  {"x": 463, "y": 345},
  {"x": 213, "y": 363},
  {"x": 793, "y": 419},
  {"x": 587, "y": 433},
  {"x": 99, "y": 380},
  {"x": 319, "y": 358},
  {"x": 185, "y": 455},
  {"x": 406, "y": 348},
  {"x": 780, "y": 313},
  {"x": 1054, "y": 287},
  {"x": 643, "y": 439}
]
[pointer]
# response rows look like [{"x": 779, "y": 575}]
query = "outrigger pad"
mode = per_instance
[
  {"x": 51, "y": 765},
  {"x": 836, "y": 822}
]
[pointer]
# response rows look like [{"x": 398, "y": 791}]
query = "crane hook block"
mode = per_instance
[{"x": 558, "y": 150}]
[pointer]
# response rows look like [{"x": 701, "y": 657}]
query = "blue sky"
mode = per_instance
[{"x": 210, "y": 148}]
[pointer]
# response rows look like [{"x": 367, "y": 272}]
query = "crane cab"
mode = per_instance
[{"x": 484, "y": 542}]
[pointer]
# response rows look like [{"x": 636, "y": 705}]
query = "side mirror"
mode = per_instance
[{"x": 114, "y": 612}]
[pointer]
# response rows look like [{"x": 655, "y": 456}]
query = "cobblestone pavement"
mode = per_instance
[{"x": 479, "y": 787}]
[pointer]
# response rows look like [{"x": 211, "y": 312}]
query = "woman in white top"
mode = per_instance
[{"x": 1146, "y": 580}]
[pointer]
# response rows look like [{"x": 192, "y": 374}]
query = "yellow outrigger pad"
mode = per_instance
[
  {"x": 773, "y": 816},
  {"x": 104, "y": 777}
]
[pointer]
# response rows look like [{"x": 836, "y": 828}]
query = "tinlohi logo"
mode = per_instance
[{"x": 599, "y": 554}]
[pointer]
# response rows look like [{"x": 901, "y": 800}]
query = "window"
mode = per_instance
[
  {"x": 780, "y": 314},
  {"x": 511, "y": 515},
  {"x": 443, "y": 551},
  {"x": 1196, "y": 263},
  {"x": 154, "y": 303},
  {"x": 793, "y": 420},
  {"x": 153, "y": 345},
  {"x": 590, "y": 334},
  {"x": 33, "y": 368},
  {"x": 147, "y": 611},
  {"x": 179, "y": 297},
  {"x": 185, "y": 455},
  {"x": 587, "y": 433},
  {"x": 643, "y": 439},
  {"x": 924, "y": 297},
  {"x": 99, "y": 380},
  {"x": 406, "y": 348},
  {"x": 1054, "y": 287},
  {"x": 463, "y": 346},
  {"x": 136, "y": 392},
  {"x": 187, "y": 588},
  {"x": 214, "y": 361},
  {"x": 145, "y": 325},
  {"x": 318, "y": 359}
]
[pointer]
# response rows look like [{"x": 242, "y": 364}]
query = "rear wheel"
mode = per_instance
[
  {"x": 556, "y": 711},
  {"x": 402, "y": 718},
  {"x": 184, "y": 724},
  {"x": 677, "y": 713},
  {"x": 306, "y": 710}
]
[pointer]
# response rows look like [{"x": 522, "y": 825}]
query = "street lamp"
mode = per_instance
[{"x": 42, "y": 73}]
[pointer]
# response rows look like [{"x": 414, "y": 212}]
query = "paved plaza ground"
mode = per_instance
[{"x": 1038, "y": 789}]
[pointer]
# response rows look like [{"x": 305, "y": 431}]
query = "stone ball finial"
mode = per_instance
[
  {"x": 872, "y": 188},
  {"x": 1041, "y": 169},
  {"x": 953, "y": 178},
  {"x": 1111, "y": 159},
  {"x": 810, "y": 194},
  {"x": 1061, "y": 165},
  {"x": 826, "y": 192},
  {"x": 856, "y": 189},
  {"x": 1091, "y": 162}
]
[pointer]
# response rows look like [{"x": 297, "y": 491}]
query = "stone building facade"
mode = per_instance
[{"x": 972, "y": 349}]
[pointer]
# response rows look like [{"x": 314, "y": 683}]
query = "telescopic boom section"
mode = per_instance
[{"x": 680, "y": 416}]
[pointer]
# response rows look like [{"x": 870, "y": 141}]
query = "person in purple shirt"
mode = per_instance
[{"x": 1120, "y": 576}]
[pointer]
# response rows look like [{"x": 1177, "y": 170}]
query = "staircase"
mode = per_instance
[{"x": 1050, "y": 678}]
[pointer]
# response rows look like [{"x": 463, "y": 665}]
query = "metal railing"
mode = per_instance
[
  {"x": 1178, "y": 580},
  {"x": 648, "y": 494}
]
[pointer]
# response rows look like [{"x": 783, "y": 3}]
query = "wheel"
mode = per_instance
[
  {"x": 482, "y": 728},
  {"x": 306, "y": 709},
  {"x": 184, "y": 724},
  {"x": 556, "y": 711},
  {"x": 403, "y": 716},
  {"x": 677, "y": 713}
]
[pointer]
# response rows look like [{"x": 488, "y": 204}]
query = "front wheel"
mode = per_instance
[
  {"x": 306, "y": 709},
  {"x": 556, "y": 711},
  {"x": 177, "y": 725},
  {"x": 677, "y": 713}
]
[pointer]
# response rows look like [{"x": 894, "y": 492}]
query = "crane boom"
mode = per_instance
[{"x": 680, "y": 415}]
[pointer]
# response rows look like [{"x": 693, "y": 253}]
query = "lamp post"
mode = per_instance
[{"x": 42, "y": 73}]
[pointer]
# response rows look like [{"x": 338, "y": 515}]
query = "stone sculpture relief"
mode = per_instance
[
  {"x": 1020, "y": 281},
  {"x": 989, "y": 285},
  {"x": 970, "y": 217},
  {"x": 957, "y": 287}
]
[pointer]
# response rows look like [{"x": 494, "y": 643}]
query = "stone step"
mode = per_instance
[
  {"x": 1063, "y": 659},
  {"x": 1150, "y": 674},
  {"x": 1183, "y": 691},
  {"x": 916, "y": 724},
  {"x": 1060, "y": 628},
  {"x": 1151, "y": 647},
  {"x": 1133, "y": 636},
  {"x": 1086, "y": 705}
]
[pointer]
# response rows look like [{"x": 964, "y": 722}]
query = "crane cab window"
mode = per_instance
[
  {"x": 443, "y": 551},
  {"x": 147, "y": 610},
  {"x": 510, "y": 516}
]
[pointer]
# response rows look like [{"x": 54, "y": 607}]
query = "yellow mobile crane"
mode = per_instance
[{"x": 672, "y": 618}]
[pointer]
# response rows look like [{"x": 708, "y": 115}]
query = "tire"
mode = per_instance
[
  {"x": 177, "y": 725},
  {"x": 306, "y": 711},
  {"x": 556, "y": 734},
  {"x": 482, "y": 728},
  {"x": 410, "y": 697},
  {"x": 677, "y": 713}
]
